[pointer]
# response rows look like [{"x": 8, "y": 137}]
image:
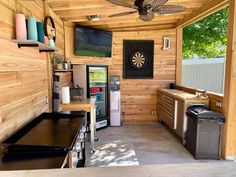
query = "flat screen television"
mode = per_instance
[{"x": 92, "y": 42}]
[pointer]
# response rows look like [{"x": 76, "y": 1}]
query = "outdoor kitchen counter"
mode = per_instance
[
  {"x": 181, "y": 95},
  {"x": 219, "y": 169}
]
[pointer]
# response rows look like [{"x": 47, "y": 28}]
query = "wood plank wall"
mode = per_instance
[
  {"x": 60, "y": 46},
  {"x": 23, "y": 72},
  {"x": 139, "y": 99}
]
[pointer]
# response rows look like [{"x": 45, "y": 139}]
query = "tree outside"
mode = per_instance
[{"x": 206, "y": 38}]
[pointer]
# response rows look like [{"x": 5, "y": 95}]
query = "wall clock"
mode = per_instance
[
  {"x": 49, "y": 28},
  {"x": 138, "y": 59}
]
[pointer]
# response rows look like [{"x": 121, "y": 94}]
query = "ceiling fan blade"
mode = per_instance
[
  {"x": 154, "y": 3},
  {"x": 168, "y": 9},
  {"x": 147, "y": 17},
  {"x": 123, "y": 14},
  {"x": 123, "y": 3}
]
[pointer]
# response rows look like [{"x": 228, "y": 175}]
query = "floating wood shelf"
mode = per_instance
[
  {"x": 32, "y": 43},
  {"x": 63, "y": 70}
]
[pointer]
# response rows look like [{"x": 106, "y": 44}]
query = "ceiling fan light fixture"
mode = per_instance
[
  {"x": 147, "y": 17},
  {"x": 147, "y": 8},
  {"x": 94, "y": 18}
]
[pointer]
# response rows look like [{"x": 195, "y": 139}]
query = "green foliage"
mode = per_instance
[{"x": 207, "y": 37}]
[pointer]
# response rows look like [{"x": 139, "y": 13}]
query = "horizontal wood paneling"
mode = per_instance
[
  {"x": 23, "y": 86},
  {"x": 139, "y": 99},
  {"x": 23, "y": 72}
]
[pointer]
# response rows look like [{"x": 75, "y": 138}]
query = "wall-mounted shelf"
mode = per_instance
[
  {"x": 63, "y": 70},
  {"x": 32, "y": 43}
]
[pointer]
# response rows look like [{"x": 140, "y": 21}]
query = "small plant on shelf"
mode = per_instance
[{"x": 58, "y": 61}]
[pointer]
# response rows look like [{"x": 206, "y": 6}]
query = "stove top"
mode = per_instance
[{"x": 45, "y": 140}]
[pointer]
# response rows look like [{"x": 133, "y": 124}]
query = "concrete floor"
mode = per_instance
[{"x": 137, "y": 143}]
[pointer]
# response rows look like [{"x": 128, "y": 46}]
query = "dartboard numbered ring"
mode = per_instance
[{"x": 138, "y": 60}]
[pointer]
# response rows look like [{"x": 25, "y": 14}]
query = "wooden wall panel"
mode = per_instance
[
  {"x": 60, "y": 46},
  {"x": 229, "y": 135},
  {"x": 24, "y": 86},
  {"x": 24, "y": 76},
  {"x": 139, "y": 99}
]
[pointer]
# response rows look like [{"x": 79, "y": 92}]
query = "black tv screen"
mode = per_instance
[{"x": 92, "y": 42}]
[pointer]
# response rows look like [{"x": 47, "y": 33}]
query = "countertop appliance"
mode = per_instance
[
  {"x": 94, "y": 80},
  {"x": 115, "y": 110},
  {"x": 52, "y": 140}
]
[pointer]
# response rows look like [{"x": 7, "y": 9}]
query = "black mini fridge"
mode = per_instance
[{"x": 94, "y": 81}]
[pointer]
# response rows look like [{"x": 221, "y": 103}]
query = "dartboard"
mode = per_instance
[{"x": 138, "y": 59}]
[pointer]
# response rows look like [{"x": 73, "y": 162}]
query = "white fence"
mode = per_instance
[{"x": 206, "y": 74}]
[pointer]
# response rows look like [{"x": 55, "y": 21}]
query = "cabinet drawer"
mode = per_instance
[
  {"x": 168, "y": 110},
  {"x": 169, "y": 120},
  {"x": 168, "y": 100}
]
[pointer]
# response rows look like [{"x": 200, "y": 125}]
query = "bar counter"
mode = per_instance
[{"x": 219, "y": 169}]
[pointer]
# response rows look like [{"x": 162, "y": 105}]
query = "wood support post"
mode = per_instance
[
  {"x": 229, "y": 106},
  {"x": 179, "y": 41}
]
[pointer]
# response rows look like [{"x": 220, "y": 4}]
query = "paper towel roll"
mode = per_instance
[{"x": 65, "y": 95}]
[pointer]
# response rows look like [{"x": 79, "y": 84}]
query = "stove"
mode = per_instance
[{"x": 52, "y": 140}]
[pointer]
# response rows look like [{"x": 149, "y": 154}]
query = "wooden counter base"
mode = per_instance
[
  {"x": 219, "y": 169},
  {"x": 85, "y": 105}
]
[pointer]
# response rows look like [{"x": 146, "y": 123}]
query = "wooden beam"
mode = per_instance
[
  {"x": 133, "y": 17},
  {"x": 120, "y": 25},
  {"x": 144, "y": 28},
  {"x": 206, "y": 10},
  {"x": 229, "y": 106},
  {"x": 179, "y": 40},
  {"x": 136, "y": 20}
]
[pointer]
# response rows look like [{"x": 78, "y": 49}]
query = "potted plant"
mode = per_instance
[{"x": 58, "y": 61}]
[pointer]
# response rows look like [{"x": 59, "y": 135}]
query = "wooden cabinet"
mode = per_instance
[
  {"x": 166, "y": 109},
  {"x": 172, "y": 107}
]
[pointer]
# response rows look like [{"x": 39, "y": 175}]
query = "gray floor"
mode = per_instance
[{"x": 137, "y": 143}]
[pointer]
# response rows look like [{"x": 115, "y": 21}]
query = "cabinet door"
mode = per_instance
[{"x": 180, "y": 117}]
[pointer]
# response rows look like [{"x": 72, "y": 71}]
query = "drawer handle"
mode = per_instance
[{"x": 175, "y": 117}]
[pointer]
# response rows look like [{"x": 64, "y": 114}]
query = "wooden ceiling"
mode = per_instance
[{"x": 76, "y": 11}]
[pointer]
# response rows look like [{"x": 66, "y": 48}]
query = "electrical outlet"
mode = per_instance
[
  {"x": 46, "y": 99},
  {"x": 152, "y": 112},
  {"x": 218, "y": 104}
]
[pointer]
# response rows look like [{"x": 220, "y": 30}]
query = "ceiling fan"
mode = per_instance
[{"x": 147, "y": 8}]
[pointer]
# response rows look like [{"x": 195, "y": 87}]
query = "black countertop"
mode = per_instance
[{"x": 41, "y": 144}]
